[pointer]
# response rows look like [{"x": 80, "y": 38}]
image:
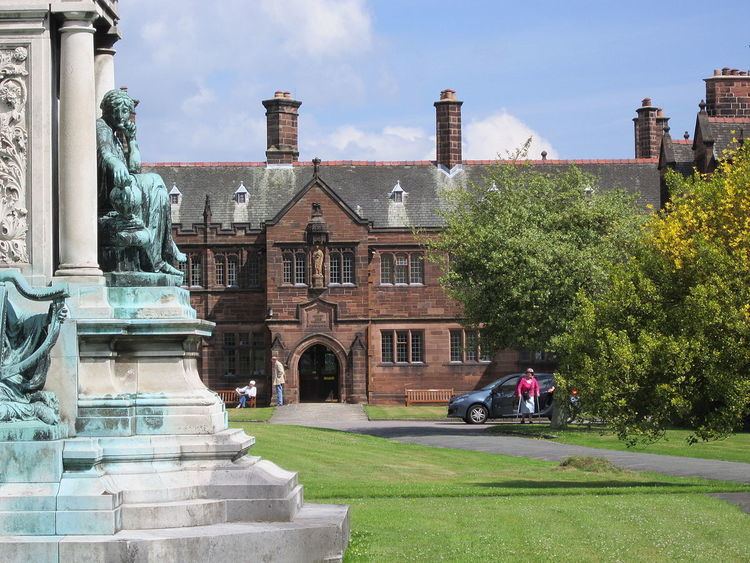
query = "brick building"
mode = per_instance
[{"x": 317, "y": 262}]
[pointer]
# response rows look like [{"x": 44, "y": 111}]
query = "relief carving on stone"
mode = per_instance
[{"x": 13, "y": 138}]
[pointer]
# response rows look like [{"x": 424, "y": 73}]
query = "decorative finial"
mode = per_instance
[
  {"x": 666, "y": 129},
  {"x": 686, "y": 135},
  {"x": 702, "y": 106},
  {"x": 544, "y": 155},
  {"x": 207, "y": 216},
  {"x": 316, "y": 166}
]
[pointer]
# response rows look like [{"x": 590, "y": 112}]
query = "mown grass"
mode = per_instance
[
  {"x": 262, "y": 414},
  {"x": 416, "y": 503},
  {"x": 733, "y": 448},
  {"x": 395, "y": 412}
]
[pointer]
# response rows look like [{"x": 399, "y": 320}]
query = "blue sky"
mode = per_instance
[{"x": 570, "y": 74}]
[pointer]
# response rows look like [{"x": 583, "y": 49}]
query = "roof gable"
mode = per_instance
[{"x": 317, "y": 181}]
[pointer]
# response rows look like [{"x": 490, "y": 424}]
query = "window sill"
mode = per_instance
[{"x": 402, "y": 365}]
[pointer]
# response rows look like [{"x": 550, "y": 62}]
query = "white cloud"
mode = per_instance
[
  {"x": 200, "y": 101},
  {"x": 393, "y": 142},
  {"x": 330, "y": 28},
  {"x": 500, "y": 134}
]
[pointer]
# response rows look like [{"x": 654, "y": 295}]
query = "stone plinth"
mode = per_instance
[{"x": 138, "y": 372}]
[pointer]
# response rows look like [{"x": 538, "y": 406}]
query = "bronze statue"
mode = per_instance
[
  {"x": 135, "y": 222},
  {"x": 25, "y": 342}
]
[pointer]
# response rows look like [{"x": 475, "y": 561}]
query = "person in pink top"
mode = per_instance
[{"x": 527, "y": 391}]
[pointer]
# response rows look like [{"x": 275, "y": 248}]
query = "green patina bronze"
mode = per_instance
[
  {"x": 24, "y": 351},
  {"x": 135, "y": 225}
]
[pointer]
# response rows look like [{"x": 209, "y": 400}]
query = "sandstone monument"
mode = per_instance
[{"x": 111, "y": 447}]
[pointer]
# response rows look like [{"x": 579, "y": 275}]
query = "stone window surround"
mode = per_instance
[
  {"x": 464, "y": 347},
  {"x": 248, "y": 265},
  {"x": 341, "y": 265},
  {"x": 244, "y": 354},
  {"x": 224, "y": 263},
  {"x": 411, "y": 270},
  {"x": 395, "y": 342},
  {"x": 192, "y": 269},
  {"x": 295, "y": 267}
]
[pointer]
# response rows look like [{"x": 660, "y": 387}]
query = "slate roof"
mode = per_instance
[
  {"x": 678, "y": 154},
  {"x": 726, "y": 130},
  {"x": 363, "y": 186}
]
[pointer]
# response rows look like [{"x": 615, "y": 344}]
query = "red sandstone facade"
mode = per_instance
[{"x": 318, "y": 263}]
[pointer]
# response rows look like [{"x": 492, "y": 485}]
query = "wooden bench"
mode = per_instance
[
  {"x": 425, "y": 396},
  {"x": 229, "y": 396}
]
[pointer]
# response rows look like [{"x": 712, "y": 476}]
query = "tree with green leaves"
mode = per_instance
[
  {"x": 524, "y": 241},
  {"x": 669, "y": 341}
]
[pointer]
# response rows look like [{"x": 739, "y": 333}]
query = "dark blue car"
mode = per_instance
[{"x": 498, "y": 399}]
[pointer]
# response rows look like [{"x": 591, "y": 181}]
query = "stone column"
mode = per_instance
[
  {"x": 104, "y": 65},
  {"x": 77, "y": 153}
]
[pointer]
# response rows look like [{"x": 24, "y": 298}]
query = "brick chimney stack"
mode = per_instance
[
  {"x": 728, "y": 93},
  {"x": 448, "y": 129},
  {"x": 662, "y": 121},
  {"x": 649, "y": 126},
  {"x": 281, "y": 128}
]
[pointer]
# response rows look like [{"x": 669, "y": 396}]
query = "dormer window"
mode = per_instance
[
  {"x": 174, "y": 195},
  {"x": 240, "y": 195},
  {"x": 397, "y": 193}
]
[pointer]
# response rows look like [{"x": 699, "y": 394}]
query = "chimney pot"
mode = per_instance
[
  {"x": 659, "y": 113},
  {"x": 288, "y": 95},
  {"x": 646, "y": 102},
  {"x": 717, "y": 72},
  {"x": 725, "y": 71},
  {"x": 278, "y": 94},
  {"x": 448, "y": 94}
]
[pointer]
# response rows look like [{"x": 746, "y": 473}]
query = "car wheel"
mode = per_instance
[{"x": 477, "y": 414}]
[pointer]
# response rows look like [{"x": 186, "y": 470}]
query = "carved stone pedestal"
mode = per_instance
[{"x": 153, "y": 472}]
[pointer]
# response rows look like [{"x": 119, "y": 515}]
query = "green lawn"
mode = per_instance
[
  {"x": 262, "y": 414},
  {"x": 733, "y": 448},
  {"x": 406, "y": 413},
  {"x": 416, "y": 503}
]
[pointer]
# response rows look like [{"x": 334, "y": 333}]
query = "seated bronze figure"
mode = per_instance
[{"x": 135, "y": 226}]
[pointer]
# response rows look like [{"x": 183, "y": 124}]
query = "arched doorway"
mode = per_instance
[{"x": 318, "y": 371}]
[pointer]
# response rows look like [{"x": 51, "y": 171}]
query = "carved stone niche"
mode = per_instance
[
  {"x": 317, "y": 229},
  {"x": 13, "y": 142}
]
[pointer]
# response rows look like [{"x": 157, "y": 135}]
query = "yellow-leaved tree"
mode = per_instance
[{"x": 669, "y": 341}]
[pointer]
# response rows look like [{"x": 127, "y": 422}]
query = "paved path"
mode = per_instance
[
  {"x": 320, "y": 415},
  {"x": 458, "y": 435}
]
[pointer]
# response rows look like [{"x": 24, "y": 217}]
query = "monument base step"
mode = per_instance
[{"x": 317, "y": 533}]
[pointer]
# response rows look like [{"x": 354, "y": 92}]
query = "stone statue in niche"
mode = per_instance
[
  {"x": 24, "y": 351},
  {"x": 317, "y": 257},
  {"x": 135, "y": 225}
]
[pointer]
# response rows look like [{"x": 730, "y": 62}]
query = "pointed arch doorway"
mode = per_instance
[{"x": 318, "y": 371}]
